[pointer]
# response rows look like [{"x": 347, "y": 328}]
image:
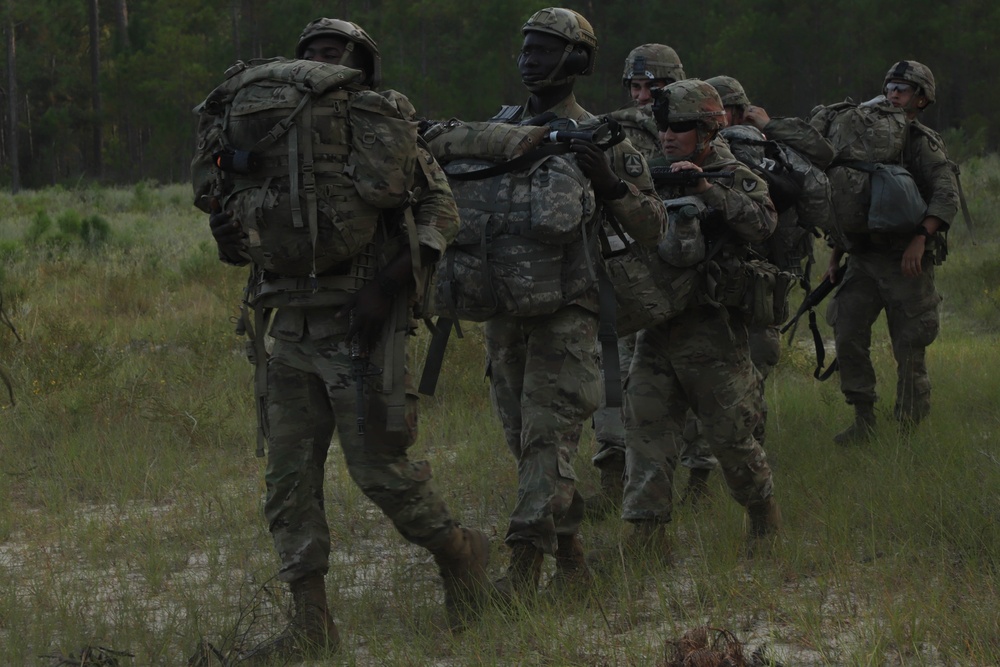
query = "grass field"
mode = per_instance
[{"x": 130, "y": 499}]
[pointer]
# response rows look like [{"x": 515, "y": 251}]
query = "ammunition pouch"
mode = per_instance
[{"x": 754, "y": 287}]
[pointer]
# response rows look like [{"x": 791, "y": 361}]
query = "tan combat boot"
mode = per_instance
[
  {"x": 310, "y": 633},
  {"x": 765, "y": 522},
  {"x": 697, "y": 490},
  {"x": 520, "y": 584},
  {"x": 462, "y": 563},
  {"x": 863, "y": 428},
  {"x": 650, "y": 541},
  {"x": 312, "y": 626},
  {"x": 609, "y": 499},
  {"x": 572, "y": 574}
]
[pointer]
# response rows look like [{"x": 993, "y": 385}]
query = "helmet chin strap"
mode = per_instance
[{"x": 549, "y": 81}]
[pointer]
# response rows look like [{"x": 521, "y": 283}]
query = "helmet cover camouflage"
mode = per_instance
[
  {"x": 730, "y": 90},
  {"x": 653, "y": 61},
  {"x": 913, "y": 72},
  {"x": 690, "y": 99},
  {"x": 355, "y": 36},
  {"x": 568, "y": 25}
]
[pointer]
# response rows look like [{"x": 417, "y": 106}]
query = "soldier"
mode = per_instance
[
  {"x": 787, "y": 248},
  {"x": 647, "y": 68},
  {"x": 310, "y": 393},
  {"x": 543, "y": 370},
  {"x": 700, "y": 359},
  {"x": 894, "y": 271}
]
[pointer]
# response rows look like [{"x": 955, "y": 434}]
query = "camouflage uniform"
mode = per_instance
[
  {"x": 699, "y": 360},
  {"x": 311, "y": 392},
  {"x": 874, "y": 281},
  {"x": 544, "y": 370},
  {"x": 790, "y": 244}
]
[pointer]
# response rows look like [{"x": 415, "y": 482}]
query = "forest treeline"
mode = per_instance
[{"x": 102, "y": 90}]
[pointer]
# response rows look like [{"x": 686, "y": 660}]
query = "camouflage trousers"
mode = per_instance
[
  {"x": 874, "y": 282},
  {"x": 765, "y": 352},
  {"x": 698, "y": 361},
  {"x": 311, "y": 392},
  {"x": 546, "y": 384},
  {"x": 609, "y": 427}
]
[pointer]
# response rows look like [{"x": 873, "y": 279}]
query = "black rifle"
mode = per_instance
[
  {"x": 815, "y": 297},
  {"x": 812, "y": 300},
  {"x": 663, "y": 177}
]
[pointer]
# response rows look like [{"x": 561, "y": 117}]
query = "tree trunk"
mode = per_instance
[
  {"x": 121, "y": 23},
  {"x": 13, "y": 153},
  {"x": 95, "y": 82},
  {"x": 234, "y": 13}
]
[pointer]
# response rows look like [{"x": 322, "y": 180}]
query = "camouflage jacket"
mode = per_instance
[
  {"x": 744, "y": 209},
  {"x": 924, "y": 156},
  {"x": 640, "y": 212},
  {"x": 436, "y": 216}
]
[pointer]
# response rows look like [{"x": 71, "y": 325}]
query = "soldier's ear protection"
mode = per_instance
[{"x": 577, "y": 61}]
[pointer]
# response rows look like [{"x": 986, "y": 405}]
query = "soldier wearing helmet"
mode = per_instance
[
  {"x": 647, "y": 68},
  {"x": 909, "y": 85},
  {"x": 775, "y": 157},
  {"x": 341, "y": 43},
  {"x": 542, "y": 427},
  {"x": 894, "y": 272},
  {"x": 699, "y": 360},
  {"x": 308, "y": 399}
]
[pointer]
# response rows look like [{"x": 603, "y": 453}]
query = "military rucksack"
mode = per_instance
[
  {"x": 873, "y": 132},
  {"x": 305, "y": 159},
  {"x": 524, "y": 205},
  {"x": 800, "y": 192}
]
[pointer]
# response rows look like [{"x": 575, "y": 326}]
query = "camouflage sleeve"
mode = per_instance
[
  {"x": 746, "y": 207},
  {"x": 803, "y": 137},
  {"x": 640, "y": 212},
  {"x": 925, "y": 157},
  {"x": 435, "y": 213}
]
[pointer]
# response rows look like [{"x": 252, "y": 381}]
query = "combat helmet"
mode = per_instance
[
  {"x": 730, "y": 90},
  {"x": 746, "y": 142},
  {"x": 913, "y": 72},
  {"x": 690, "y": 100},
  {"x": 355, "y": 36},
  {"x": 570, "y": 26},
  {"x": 653, "y": 61}
]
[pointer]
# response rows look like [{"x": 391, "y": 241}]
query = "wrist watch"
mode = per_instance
[{"x": 922, "y": 231}]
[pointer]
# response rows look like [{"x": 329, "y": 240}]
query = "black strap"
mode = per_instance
[
  {"x": 819, "y": 373},
  {"x": 607, "y": 336},
  {"x": 435, "y": 355}
]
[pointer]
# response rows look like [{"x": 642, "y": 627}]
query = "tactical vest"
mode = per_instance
[
  {"x": 304, "y": 159},
  {"x": 523, "y": 211}
]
